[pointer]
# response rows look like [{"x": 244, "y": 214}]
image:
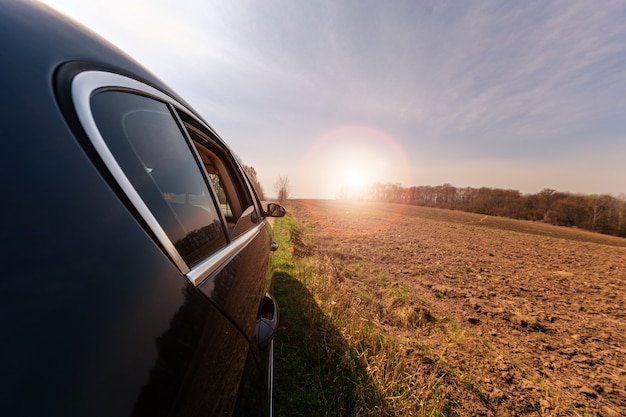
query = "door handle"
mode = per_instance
[{"x": 267, "y": 321}]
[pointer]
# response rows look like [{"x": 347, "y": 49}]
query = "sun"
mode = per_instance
[
  {"x": 349, "y": 161},
  {"x": 353, "y": 174},
  {"x": 355, "y": 179}
]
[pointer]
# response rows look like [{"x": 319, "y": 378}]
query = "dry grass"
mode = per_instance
[{"x": 374, "y": 322}]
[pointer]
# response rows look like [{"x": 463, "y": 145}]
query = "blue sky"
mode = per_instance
[{"x": 522, "y": 95}]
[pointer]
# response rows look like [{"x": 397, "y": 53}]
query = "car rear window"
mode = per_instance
[{"x": 147, "y": 142}]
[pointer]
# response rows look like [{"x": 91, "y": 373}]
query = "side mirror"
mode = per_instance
[{"x": 275, "y": 210}]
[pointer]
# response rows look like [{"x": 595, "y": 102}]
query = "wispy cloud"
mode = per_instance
[
  {"x": 451, "y": 81},
  {"x": 518, "y": 71}
]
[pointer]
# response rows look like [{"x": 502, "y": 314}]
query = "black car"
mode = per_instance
[{"x": 136, "y": 256}]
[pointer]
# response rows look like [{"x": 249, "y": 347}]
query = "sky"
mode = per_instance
[{"x": 516, "y": 95}]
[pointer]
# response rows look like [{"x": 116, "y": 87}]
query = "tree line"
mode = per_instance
[
  {"x": 281, "y": 186},
  {"x": 252, "y": 176},
  {"x": 601, "y": 213}
]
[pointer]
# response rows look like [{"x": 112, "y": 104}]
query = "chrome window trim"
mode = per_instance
[
  {"x": 202, "y": 270},
  {"x": 83, "y": 86}
]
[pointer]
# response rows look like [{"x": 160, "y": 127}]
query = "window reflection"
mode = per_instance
[{"x": 152, "y": 151}]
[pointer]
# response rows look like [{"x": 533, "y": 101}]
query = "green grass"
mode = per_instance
[
  {"x": 332, "y": 357},
  {"x": 317, "y": 374}
]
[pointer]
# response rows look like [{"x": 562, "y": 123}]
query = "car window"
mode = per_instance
[
  {"x": 235, "y": 201},
  {"x": 145, "y": 138}
]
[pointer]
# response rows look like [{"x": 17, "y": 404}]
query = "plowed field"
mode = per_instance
[{"x": 539, "y": 310}]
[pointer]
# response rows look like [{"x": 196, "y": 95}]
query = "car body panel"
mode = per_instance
[{"x": 97, "y": 317}]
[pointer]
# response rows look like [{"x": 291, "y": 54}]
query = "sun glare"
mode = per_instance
[
  {"x": 347, "y": 160},
  {"x": 356, "y": 180},
  {"x": 353, "y": 180},
  {"x": 353, "y": 177}
]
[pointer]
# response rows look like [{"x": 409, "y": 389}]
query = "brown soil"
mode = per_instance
[{"x": 539, "y": 310}]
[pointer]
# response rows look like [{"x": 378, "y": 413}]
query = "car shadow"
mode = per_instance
[{"x": 316, "y": 371}]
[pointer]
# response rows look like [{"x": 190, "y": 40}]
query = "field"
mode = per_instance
[{"x": 401, "y": 310}]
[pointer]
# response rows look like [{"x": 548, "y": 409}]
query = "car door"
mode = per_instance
[
  {"x": 186, "y": 188},
  {"x": 243, "y": 277}
]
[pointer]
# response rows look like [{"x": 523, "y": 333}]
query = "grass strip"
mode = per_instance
[{"x": 332, "y": 358}]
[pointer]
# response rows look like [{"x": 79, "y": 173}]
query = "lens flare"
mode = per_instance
[{"x": 352, "y": 157}]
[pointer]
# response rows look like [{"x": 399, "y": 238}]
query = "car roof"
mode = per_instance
[{"x": 35, "y": 40}]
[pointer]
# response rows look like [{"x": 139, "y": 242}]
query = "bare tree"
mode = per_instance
[{"x": 281, "y": 186}]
